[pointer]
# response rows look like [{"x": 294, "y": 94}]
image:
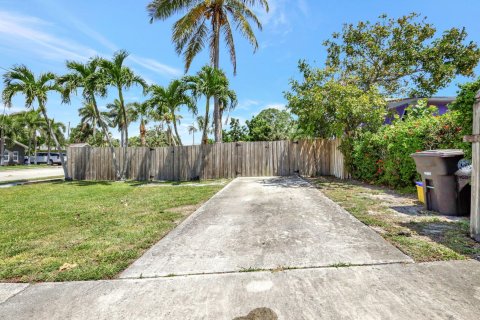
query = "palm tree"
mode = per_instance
[
  {"x": 88, "y": 116},
  {"x": 142, "y": 111},
  {"x": 116, "y": 117},
  {"x": 121, "y": 77},
  {"x": 33, "y": 123},
  {"x": 170, "y": 99},
  {"x": 20, "y": 79},
  {"x": 59, "y": 128},
  {"x": 87, "y": 76},
  {"x": 210, "y": 82},
  {"x": 11, "y": 129},
  {"x": 192, "y": 130},
  {"x": 191, "y": 32}
]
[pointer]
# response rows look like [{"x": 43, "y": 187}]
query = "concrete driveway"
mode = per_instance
[
  {"x": 263, "y": 248},
  {"x": 26, "y": 174},
  {"x": 265, "y": 223}
]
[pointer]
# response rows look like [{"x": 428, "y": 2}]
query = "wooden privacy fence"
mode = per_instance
[{"x": 213, "y": 161}]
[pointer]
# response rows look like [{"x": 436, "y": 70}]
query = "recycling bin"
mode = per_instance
[{"x": 437, "y": 168}]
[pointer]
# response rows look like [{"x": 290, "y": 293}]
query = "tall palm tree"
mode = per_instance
[
  {"x": 170, "y": 99},
  {"x": 89, "y": 116},
  {"x": 117, "y": 75},
  {"x": 210, "y": 82},
  {"x": 21, "y": 80},
  {"x": 204, "y": 22},
  {"x": 192, "y": 130},
  {"x": 142, "y": 112},
  {"x": 88, "y": 78},
  {"x": 59, "y": 128},
  {"x": 116, "y": 118},
  {"x": 33, "y": 123}
]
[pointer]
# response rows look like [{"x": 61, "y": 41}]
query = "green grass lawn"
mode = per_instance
[
  {"x": 402, "y": 221},
  {"x": 63, "y": 231},
  {"x": 24, "y": 167}
]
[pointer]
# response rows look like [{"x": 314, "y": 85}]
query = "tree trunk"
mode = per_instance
[
  {"x": 125, "y": 135},
  {"x": 35, "y": 147},
  {"x": 217, "y": 121},
  {"x": 49, "y": 148},
  {"x": 29, "y": 151},
  {"x": 2, "y": 146},
  {"x": 205, "y": 124},
  {"x": 143, "y": 132},
  {"x": 57, "y": 144},
  {"x": 176, "y": 130},
  {"x": 109, "y": 140}
]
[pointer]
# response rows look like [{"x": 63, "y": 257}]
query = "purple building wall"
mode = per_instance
[{"x": 400, "y": 109}]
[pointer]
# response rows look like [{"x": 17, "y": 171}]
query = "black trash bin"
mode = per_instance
[
  {"x": 437, "y": 168},
  {"x": 464, "y": 177}
]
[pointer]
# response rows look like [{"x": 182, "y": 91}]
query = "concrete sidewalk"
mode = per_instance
[
  {"x": 214, "y": 266},
  {"x": 443, "y": 290},
  {"x": 26, "y": 174},
  {"x": 265, "y": 223}
]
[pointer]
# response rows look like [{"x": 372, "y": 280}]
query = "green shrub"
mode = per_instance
[{"x": 385, "y": 158}]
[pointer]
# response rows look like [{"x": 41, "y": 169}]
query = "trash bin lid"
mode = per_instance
[
  {"x": 441, "y": 153},
  {"x": 465, "y": 172}
]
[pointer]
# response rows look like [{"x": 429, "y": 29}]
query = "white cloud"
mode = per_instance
[
  {"x": 279, "y": 18},
  {"x": 13, "y": 109},
  {"x": 156, "y": 66},
  {"x": 247, "y": 104},
  {"x": 28, "y": 34},
  {"x": 278, "y": 106}
]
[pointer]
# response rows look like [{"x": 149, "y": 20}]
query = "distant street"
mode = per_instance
[{"x": 26, "y": 174}]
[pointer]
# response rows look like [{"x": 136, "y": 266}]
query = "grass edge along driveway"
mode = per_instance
[
  {"x": 65, "y": 231},
  {"x": 420, "y": 234}
]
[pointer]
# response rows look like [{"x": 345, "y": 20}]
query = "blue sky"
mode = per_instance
[{"x": 44, "y": 33}]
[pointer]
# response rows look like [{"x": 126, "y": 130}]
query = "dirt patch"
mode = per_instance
[
  {"x": 185, "y": 210},
  {"x": 403, "y": 221},
  {"x": 259, "y": 314}
]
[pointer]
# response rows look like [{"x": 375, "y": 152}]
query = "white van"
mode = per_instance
[{"x": 43, "y": 158}]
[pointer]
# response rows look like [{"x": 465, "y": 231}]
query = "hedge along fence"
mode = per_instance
[
  {"x": 384, "y": 157},
  {"x": 214, "y": 161}
]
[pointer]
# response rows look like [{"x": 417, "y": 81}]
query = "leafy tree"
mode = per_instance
[
  {"x": 210, "y": 82},
  {"x": 170, "y": 99},
  {"x": 21, "y": 80},
  {"x": 204, "y": 22},
  {"x": 236, "y": 132},
  {"x": 10, "y": 131},
  {"x": 117, "y": 75},
  {"x": 327, "y": 107},
  {"x": 154, "y": 138},
  {"x": 88, "y": 78},
  {"x": 401, "y": 55},
  {"x": 463, "y": 104},
  {"x": 420, "y": 109},
  {"x": 83, "y": 133},
  {"x": 270, "y": 125}
]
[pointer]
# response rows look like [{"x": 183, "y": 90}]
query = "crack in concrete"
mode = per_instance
[
  {"x": 277, "y": 269},
  {"x": 16, "y": 294}
]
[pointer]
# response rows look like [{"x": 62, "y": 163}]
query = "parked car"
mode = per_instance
[{"x": 44, "y": 158}]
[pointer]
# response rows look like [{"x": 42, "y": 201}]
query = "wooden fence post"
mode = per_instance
[{"x": 475, "y": 181}]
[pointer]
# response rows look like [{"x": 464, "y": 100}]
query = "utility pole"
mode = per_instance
[{"x": 475, "y": 181}]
